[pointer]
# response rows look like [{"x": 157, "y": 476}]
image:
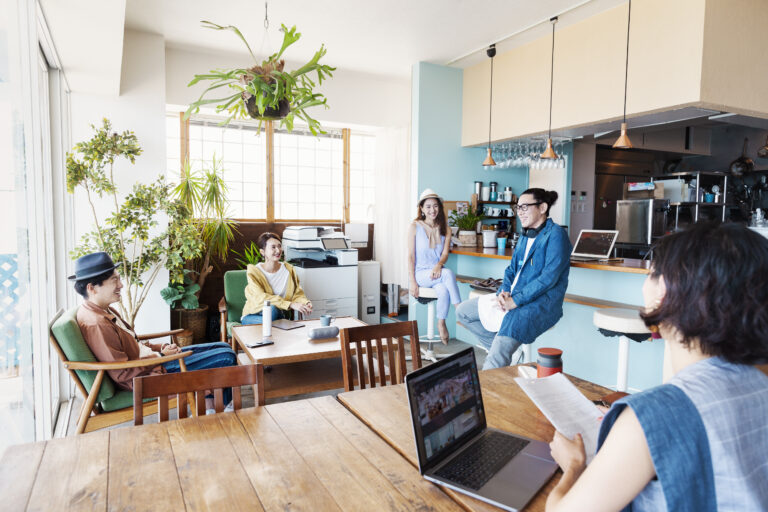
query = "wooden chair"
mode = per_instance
[
  {"x": 104, "y": 403},
  {"x": 198, "y": 382},
  {"x": 375, "y": 345}
]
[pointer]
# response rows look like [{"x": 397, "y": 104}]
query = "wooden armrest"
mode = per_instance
[
  {"x": 120, "y": 365},
  {"x": 223, "y": 305},
  {"x": 158, "y": 334}
]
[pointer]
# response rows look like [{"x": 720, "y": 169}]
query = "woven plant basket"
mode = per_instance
[
  {"x": 184, "y": 338},
  {"x": 192, "y": 319}
]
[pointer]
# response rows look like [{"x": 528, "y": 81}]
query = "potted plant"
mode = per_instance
[
  {"x": 467, "y": 223},
  {"x": 131, "y": 234},
  {"x": 265, "y": 91},
  {"x": 203, "y": 192},
  {"x": 251, "y": 255}
]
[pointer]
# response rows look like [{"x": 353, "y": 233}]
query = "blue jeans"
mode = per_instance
[
  {"x": 205, "y": 356},
  {"x": 258, "y": 319},
  {"x": 500, "y": 348},
  {"x": 444, "y": 286}
]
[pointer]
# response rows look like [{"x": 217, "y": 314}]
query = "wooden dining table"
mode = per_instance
[
  {"x": 351, "y": 452},
  {"x": 385, "y": 410},
  {"x": 303, "y": 455}
]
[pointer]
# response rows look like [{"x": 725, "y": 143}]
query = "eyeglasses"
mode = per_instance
[{"x": 524, "y": 207}]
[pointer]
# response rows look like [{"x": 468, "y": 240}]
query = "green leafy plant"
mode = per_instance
[
  {"x": 183, "y": 294},
  {"x": 145, "y": 232},
  {"x": 203, "y": 192},
  {"x": 465, "y": 222},
  {"x": 251, "y": 255},
  {"x": 264, "y": 91}
]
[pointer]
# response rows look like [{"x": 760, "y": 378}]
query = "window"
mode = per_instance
[
  {"x": 309, "y": 176},
  {"x": 307, "y": 179},
  {"x": 362, "y": 155}
]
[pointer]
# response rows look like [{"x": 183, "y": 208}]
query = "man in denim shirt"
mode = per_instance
[{"x": 534, "y": 282}]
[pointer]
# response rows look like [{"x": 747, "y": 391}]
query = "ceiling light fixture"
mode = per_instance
[
  {"x": 549, "y": 152},
  {"x": 489, "y": 161},
  {"x": 623, "y": 141}
]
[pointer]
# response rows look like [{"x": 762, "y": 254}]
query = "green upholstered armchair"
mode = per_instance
[
  {"x": 108, "y": 403},
  {"x": 232, "y": 303}
]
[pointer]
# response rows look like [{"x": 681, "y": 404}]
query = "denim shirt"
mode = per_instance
[
  {"x": 540, "y": 289},
  {"x": 708, "y": 438}
]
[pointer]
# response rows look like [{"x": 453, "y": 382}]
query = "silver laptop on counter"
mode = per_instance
[
  {"x": 594, "y": 245},
  {"x": 458, "y": 450}
]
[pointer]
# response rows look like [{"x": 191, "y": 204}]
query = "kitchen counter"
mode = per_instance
[
  {"x": 629, "y": 265},
  {"x": 591, "y": 286}
]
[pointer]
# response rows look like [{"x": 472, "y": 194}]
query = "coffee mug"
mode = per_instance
[
  {"x": 501, "y": 243},
  {"x": 325, "y": 320},
  {"x": 495, "y": 212}
]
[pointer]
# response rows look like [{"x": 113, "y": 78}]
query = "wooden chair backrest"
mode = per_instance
[
  {"x": 379, "y": 353},
  {"x": 78, "y": 383},
  {"x": 198, "y": 382}
]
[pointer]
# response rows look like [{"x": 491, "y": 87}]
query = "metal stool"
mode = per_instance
[
  {"x": 627, "y": 325},
  {"x": 525, "y": 348},
  {"x": 429, "y": 297}
]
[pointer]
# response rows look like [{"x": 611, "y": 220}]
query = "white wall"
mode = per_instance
[
  {"x": 354, "y": 98},
  {"x": 141, "y": 109}
]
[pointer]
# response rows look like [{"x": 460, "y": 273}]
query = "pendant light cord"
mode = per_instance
[
  {"x": 552, "y": 75},
  {"x": 626, "y": 62},
  {"x": 490, "y": 106}
]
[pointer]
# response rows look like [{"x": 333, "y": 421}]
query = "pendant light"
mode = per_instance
[
  {"x": 489, "y": 161},
  {"x": 623, "y": 141},
  {"x": 549, "y": 152}
]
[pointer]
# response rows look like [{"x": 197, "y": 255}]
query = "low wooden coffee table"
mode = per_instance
[{"x": 299, "y": 365}]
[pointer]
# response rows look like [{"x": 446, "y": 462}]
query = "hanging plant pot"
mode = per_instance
[{"x": 270, "y": 114}]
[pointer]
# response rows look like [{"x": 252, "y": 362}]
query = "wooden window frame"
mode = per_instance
[{"x": 269, "y": 131}]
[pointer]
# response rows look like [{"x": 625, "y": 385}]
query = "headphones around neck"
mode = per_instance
[{"x": 532, "y": 232}]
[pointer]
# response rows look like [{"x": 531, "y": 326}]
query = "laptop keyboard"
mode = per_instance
[{"x": 476, "y": 465}]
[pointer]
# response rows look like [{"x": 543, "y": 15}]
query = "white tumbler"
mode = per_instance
[{"x": 266, "y": 315}]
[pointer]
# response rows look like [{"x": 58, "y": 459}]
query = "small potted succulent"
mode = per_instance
[
  {"x": 467, "y": 224},
  {"x": 265, "y": 91}
]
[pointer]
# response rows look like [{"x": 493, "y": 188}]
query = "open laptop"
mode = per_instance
[
  {"x": 457, "y": 449},
  {"x": 594, "y": 244}
]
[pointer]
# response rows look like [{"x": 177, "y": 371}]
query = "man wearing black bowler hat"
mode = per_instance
[{"x": 111, "y": 339}]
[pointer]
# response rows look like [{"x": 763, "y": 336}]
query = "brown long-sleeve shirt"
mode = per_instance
[{"x": 111, "y": 339}]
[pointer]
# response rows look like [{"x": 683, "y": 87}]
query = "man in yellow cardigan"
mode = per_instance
[{"x": 273, "y": 281}]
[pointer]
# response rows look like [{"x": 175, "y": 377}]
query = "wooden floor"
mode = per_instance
[{"x": 247, "y": 392}]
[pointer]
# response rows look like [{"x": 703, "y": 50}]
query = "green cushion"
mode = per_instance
[
  {"x": 70, "y": 339},
  {"x": 234, "y": 294},
  {"x": 121, "y": 400},
  {"x": 230, "y": 325}
]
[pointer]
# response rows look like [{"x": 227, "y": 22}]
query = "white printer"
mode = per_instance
[{"x": 318, "y": 246}]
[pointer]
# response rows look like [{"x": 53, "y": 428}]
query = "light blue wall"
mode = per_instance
[{"x": 439, "y": 160}]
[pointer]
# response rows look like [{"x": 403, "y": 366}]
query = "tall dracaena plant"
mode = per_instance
[
  {"x": 145, "y": 231},
  {"x": 204, "y": 193}
]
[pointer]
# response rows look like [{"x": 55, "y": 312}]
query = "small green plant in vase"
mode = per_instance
[{"x": 467, "y": 224}]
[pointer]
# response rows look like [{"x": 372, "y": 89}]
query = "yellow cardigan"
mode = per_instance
[{"x": 258, "y": 290}]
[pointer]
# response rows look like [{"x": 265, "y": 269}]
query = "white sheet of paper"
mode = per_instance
[
  {"x": 566, "y": 408},
  {"x": 490, "y": 313}
]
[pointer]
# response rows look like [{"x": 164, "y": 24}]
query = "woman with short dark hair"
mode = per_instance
[
  {"x": 273, "y": 281},
  {"x": 700, "y": 441}
]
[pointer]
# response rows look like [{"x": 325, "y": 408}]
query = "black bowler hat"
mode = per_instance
[{"x": 92, "y": 265}]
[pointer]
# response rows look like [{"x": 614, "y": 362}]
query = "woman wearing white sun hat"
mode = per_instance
[{"x": 428, "y": 246}]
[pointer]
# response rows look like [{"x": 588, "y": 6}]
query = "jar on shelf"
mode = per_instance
[{"x": 493, "y": 194}]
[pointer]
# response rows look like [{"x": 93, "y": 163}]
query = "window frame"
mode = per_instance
[{"x": 269, "y": 133}]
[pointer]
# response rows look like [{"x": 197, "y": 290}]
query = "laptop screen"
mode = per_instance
[
  {"x": 595, "y": 242},
  {"x": 446, "y": 406}
]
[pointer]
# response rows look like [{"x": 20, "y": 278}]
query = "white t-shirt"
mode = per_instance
[
  {"x": 278, "y": 280},
  {"x": 525, "y": 260}
]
